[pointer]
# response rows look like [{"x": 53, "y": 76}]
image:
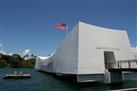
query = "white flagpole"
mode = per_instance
[
  {"x": 67, "y": 30},
  {"x": 1, "y": 29},
  {"x": 1, "y": 41}
]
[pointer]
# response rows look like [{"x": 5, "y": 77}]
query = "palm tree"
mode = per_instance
[
  {"x": 32, "y": 55},
  {"x": 27, "y": 55}
]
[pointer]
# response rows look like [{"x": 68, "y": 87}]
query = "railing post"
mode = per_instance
[
  {"x": 129, "y": 65},
  {"x": 118, "y": 65}
]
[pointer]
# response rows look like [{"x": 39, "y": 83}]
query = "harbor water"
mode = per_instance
[{"x": 47, "y": 82}]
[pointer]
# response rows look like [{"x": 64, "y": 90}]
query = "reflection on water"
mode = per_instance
[{"x": 47, "y": 82}]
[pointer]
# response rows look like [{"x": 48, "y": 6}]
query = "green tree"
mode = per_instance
[
  {"x": 27, "y": 64},
  {"x": 32, "y": 60},
  {"x": 32, "y": 55},
  {"x": 3, "y": 63},
  {"x": 16, "y": 61}
]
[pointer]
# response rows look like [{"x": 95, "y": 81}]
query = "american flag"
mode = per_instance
[{"x": 60, "y": 26}]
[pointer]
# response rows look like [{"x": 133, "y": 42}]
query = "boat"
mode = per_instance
[{"x": 16, "y": 75}]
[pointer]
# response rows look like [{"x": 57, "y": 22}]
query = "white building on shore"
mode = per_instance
[
  {"x": 88, "y": 52},
  {"x": 27, "y": 54}
]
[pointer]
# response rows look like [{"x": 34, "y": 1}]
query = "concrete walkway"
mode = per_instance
[{"x": 128, "y": 89}]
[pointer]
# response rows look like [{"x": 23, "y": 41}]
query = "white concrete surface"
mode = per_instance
[{"x": 93, "y": 41}]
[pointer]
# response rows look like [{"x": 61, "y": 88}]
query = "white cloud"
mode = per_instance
[
  {"x": 27, "y": 51},
  {"x": 3, "y": 52},
  {"x": 10, "y": 54}
]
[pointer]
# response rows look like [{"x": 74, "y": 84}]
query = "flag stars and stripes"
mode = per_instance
[{"x": 60, "y": 26}]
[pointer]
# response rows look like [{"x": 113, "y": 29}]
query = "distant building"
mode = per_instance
[
  {"x": 27, "y": 54},
  {"x": 88, "y": 52}
]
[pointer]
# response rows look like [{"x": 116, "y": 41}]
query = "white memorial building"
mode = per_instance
[{"x": 88, "y": 52}]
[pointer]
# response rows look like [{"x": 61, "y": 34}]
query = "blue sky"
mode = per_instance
[{"x": 29, "y": 24}]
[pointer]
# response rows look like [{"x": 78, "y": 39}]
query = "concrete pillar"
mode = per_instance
[
  {"x": 113, "y": 77},
  {"x": 116, "y": 77}
]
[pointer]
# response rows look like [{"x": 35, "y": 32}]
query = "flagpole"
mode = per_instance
[
  {"x": 67, "y": 30},
  {"x": 1, "y": 40}
]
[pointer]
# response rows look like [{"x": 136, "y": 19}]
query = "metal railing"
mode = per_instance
[{"x": 122, "y": 64}]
